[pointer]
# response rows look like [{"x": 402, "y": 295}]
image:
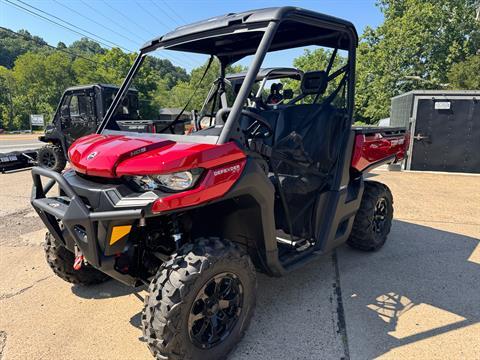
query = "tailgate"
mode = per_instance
[{"x": 377, "y": 146}]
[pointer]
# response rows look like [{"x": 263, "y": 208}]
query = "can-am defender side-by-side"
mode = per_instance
[{"x": 193, "y": 216}]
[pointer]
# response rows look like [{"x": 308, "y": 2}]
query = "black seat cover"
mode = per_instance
[{"x": 318, "y": 126}]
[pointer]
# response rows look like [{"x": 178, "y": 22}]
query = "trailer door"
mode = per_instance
[{"x": 446, "y": 135}]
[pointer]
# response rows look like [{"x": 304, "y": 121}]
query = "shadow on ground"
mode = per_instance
[
  {"x": 109, "y": 289},
  {"x": 419, "y": 286},
  {"x": 295, "y": 315}
]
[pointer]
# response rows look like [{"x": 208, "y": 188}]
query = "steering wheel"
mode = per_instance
[{"x": 253, "y": 130}]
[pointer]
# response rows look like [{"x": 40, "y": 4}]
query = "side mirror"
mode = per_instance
[{"x": 288, "y": 94}]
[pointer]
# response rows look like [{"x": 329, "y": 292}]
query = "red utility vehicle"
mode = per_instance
[{"x": 262, "y": 186}]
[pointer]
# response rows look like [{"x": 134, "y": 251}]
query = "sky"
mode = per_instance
[{"x": 129, "y": 24}]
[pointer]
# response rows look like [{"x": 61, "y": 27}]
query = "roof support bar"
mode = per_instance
[{"x": 244, "y": 91}]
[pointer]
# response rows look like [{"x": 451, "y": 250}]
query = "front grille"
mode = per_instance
[{"x": 99, "y": 179}]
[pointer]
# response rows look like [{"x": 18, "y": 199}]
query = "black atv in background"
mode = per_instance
[{"x": 79, "y": 112}]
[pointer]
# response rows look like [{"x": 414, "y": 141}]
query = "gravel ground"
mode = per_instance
[{"x": 416, "y": 298}]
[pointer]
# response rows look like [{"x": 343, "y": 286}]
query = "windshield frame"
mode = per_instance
[{"x": 234, "y": 112}]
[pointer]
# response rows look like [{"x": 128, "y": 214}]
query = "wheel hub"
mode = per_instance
[
  {"x": 48, "y": 159},
  {"x": 211, "y": 308},
  {"x": 215, "y": 310}
]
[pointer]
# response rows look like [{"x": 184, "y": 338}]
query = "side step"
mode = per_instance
[{"x": 299, "y": 245}]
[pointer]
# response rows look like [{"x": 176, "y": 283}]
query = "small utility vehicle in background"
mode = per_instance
[
  {"x": 192, "y": 216},
  {"x": 80, "y": 111}
]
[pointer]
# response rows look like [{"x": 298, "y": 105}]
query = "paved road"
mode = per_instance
[
  {"x": 416, "y": 298},
  {"x": 21, "y": 142}
]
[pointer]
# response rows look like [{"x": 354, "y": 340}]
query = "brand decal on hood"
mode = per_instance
[
  {"x": 92, "y": 155},
  {"x": 138, "y": 151}
]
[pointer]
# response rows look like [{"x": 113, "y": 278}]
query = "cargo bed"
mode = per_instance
[{"x": 375, "y": 146}]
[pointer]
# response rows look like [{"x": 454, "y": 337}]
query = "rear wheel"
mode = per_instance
[
  {"x": 51, "y": 157},
  {"x": 61, "y": 262},
  {"x": 374, "y": 218},
  {"x": 200, "y": 302}
]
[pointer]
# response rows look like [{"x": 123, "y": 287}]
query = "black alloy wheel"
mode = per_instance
[
  {"x": 373, "y": 219},
  {"x": 51, "y": 157},
  {"x": 48, "y": 159},
  {"x": 215, "y": 310},
  {"x": 200, "y": 302}
]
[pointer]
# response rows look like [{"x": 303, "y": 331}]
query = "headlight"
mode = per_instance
[{"x": 178, "y": 181}]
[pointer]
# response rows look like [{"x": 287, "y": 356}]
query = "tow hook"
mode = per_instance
[{"x": 79, "y": 259}]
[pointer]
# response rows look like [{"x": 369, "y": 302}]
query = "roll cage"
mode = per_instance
[
  {"x": 232, "y": 37},
  {"x": 234, "y": 82}
]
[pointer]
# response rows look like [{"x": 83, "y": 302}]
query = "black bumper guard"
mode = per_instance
[{"x": 80, "y": 221}]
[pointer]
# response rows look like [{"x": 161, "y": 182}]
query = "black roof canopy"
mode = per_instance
[{"x": 236, "y": 35}]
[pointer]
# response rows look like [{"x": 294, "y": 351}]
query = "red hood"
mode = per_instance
[{"x": 118, "y": 155}]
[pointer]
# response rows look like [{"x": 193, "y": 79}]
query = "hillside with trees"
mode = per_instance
[
  {"x": 420, "y": 45},
  {"x": 34, "y": 75}
]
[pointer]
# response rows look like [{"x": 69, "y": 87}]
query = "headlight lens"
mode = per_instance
[{"x": 176, "y": 181}]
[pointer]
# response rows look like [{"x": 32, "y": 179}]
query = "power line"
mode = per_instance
[
  {"x": 69, "y": 23},
  {"x": 175, "y": 12},
  {"x": 165, "y": 13},
  {"x": 50, "y": 46},
  {"x": 94, "y": 21},
  {"x": 151, "y": 14},
  {"x": 192, "y": 61},
  {"x": 111, "y": 18},
  {"x": 61, "y": 25},
  {"x": 171, "y": 57},
  {"x": 128, "y": 18}
]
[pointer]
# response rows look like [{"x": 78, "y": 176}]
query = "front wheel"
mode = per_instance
[
  {"x": 51, "y": 157},
  {"x": 61, "y": 262},
  {"x": 200, "y": 302},
  {"x": 374, "y": 218}
]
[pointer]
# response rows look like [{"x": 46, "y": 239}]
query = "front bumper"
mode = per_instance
[{"x": 84, "y": 216}]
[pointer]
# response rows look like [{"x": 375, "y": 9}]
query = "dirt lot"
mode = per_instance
[{"x": 416, "y": 298}]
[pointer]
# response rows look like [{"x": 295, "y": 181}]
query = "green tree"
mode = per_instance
[
  {"x": 13, "y": 45},
  {"x": 84, "y": 46},
  {"x": 414, "y": 48},
  {"x": 7, "y": 91},
  {"x": 40, "y": 80},
  {"x": 313, "y": 60},
  {"x": 183, "y": 90},
  {"x": 466, "y": 74}
]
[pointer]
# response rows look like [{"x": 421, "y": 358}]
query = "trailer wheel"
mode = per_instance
[
  {"x": 61, "y": 261},
  {"x": 51, "y": 157},
  {"x": 374, "y": 218},
  {"x": 200, "y": 302}
]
